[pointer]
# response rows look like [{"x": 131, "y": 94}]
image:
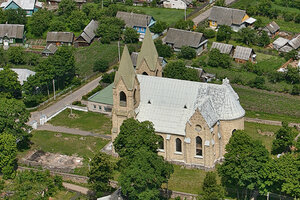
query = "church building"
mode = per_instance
[{"x": 195, "y": 119}]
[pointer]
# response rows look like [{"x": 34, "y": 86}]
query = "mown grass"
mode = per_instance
[
  {"x": 275, "y": 117},
  {"x": 269, "y": 102},
  {"x": 67, "y": 195},
  {"x": 167, "y": 15},
  {"x": 87, "y": 121},
  {"x": 86, "y": 56}
]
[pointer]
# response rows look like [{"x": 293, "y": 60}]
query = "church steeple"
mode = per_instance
[
  {"x": 126, "y": 71},
  {"x": 148, "y": 54}
]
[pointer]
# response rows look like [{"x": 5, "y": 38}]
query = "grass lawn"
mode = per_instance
[
  {"x": 67, "y": 195},
  {"x": 275, "y": 117},
  {"x": 269, "y": 102},
  {"x": 163, "y": 14},
  {"x": 86, "y": 56},
  {"x": 87, "y": 121}
]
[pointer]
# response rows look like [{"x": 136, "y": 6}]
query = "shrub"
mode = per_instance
[
  {"x": 209, "y": 33},
  {"x": 296, "y": 90},
  {"x": 131, "y": 35},
  {"x": 258, "y": 82},
  {"x": 288, "y": 16},
  {"x": 187, "y": 53},
  {"x": 108, "y": 78},
  {"x": 297, "y": 19},
  {"x": 101, "y": 65},
  {"x": 97, "y": 89}
]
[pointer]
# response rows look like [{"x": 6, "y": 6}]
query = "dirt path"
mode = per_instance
[
  {"x": 270, "y": 122},
  {"x": 76, "y": 188},
  {"x": 73, "y": 131}
]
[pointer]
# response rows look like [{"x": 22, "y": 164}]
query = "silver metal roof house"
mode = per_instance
[
  {"x": 295, "y": 42},
  {"x": 88, "y": 33},
  {"x": 170, "y": 103},
  {"x": 134, "y": 19},
  {"x": 243, "y": 53},
  {"x": 15, "y": 31},
  {"x": 272, "y": 28},
  {"x": 23, "y": 74},
  {"x": 280, "y": 42},
  {"x": 178, "y": 38},
  {"x": 60, "y": 37},
  {"x": 134, "y": 57},
  {"x": 224, "y": 48},
  {"x": 226, "y": 16},
  {"x": 50, "y": 49}
]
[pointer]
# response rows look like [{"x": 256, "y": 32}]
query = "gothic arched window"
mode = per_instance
[
  {"x": 161, "y": 143},
  {"x": 199, "y": 151},
  {"x": 178, "y": 145},
  {"x": 123, "y": 99}
]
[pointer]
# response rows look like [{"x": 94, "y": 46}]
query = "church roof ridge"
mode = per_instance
[
  {"x": 126, "y": 71},
  {"x": 148, "y": 52}
]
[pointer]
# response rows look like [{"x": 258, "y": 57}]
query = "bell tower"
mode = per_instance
[
  {"x": 126, "y": 93},
  {"x": 148, "y": 61}
]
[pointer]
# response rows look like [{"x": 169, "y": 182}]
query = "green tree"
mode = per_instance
[
  {"x": 292, "y": 75},
  {"x": 247, "y": 36},
  {"x": 57, "y": 25},
  {"x": 187, "y": 52},
  {"x": 296, "y": 90},
  {"x": 244, "y": 160},
  {"x": 284, "y": 138},
  {"x": 258, "y": 82},
  {"x": 100, "y": 173},
  {"x": 65, "y": 7},
  {"x": 108, "y": 77},
  {"x": 258, "y": 24},
  {"x": 101, "y": 65},
  {"x": 178, "y": 70},
  {"x": 131, "y": 35},
  {"x": 3, "y": 57},
  {"x": 39, "y": 22},
  {"x": 158, "y": 27},
  {"x": 10, "y": 87},
  {"x": 297, "y": 19},
  {"x": 224, "y": 33},
  {"x": 264, "y": 7},
  {"x": 220, "y": 3},
  {"x": 144, "y": 176},
  {"x": 15, "y": 16},
  {"x": 292, "y": 54},
  {"x": 264, "y": 39},
  {"x": 185, "y": 25},
  {"x": 13, "y": 119},
  {"x": 16, "y": 55},
  {"x": 8, "y": 155},
  {"x": 77, "y": 20},
  {"x": 288, "y": 16},
  {"x": 281, "y": 175},
  {"x": 33, "y": 59},
  {"x": 163, "y": 50},
  {"x": 110, "y": 29},
  {"x": 211, "y": 189},
  {"x": 216, "y": 59},
  {"x": 2, "y": 16}
]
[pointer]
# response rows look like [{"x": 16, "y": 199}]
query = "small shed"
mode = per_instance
[
  {"x": 223, "y": 48},
  {"x": 102, "y": 101},
  {"x": 272, "y": 29},
  {"x": 177, "y": 38},
  {"x": 244, "y": 54},
  {"x": 295, "y": 42},
  {"x": 60, "y": 38},
  {"x": 88, "y": 34},
  {"x": 279, "y": 43},
  {"x": 50, "y": 49}
]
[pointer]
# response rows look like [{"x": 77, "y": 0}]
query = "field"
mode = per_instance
[
  {"x": 86, "y": 56},
  {"x": 87, "y": 121},
  {"x": 269, "y": 102},
  {"x": 167, "y": 15},
  {"x": 275, "y": 117}
]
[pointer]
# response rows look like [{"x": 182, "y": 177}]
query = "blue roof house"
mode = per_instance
[{"x": 30, "y": 6}]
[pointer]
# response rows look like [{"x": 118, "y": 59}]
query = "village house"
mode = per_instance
[
  {"x": 60, "y": 38},
  {"x": 177, "y": 4},
  {"x": 285, "y": 45},
  {"x": 56, "y": 2},
  {"x": 11, "y": 34},
  {"x": 272, "y": 29},
  {"x": 50, "y": 49},
  {"x": 137, "y": 21},
  {"x": 23, "y": 74},
  {"x": 235, "y": 18},
  {"x": 30, "y": 6},
  {"x": 88, "y": 34},
  {"x": 195, "y": 120},
  {"x": 223, "y": 48},
  {"x": 177, "y": 38},
  {"x": 244, "y": 54}
]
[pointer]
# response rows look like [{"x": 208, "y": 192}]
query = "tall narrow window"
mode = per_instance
[
  {"x": 134, "y": 96},
  {"x": 123, "y": 101},
  {"x": 199, "y": 151},
  {"x": 178, "y": 145},
  {"x": 161, "y": 143}
]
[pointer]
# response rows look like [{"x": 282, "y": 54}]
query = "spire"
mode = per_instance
[
  {"x": 126, "y": 71},
  {"x": 148, "y": 52}
]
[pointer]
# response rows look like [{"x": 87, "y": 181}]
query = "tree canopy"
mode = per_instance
[
  {"x": 163, "y": 50},
  {"x": 178, "y": 70},
  {"x": 10, "y": 87},
  {"x": 187, "y": 52},
  {"x": 8, "y": 153},
  {"x": 131, "y": 35},
  {"x": 224, "y": 33},
  {"x": 217, "y": 59},
  {"x": 211, "y": 189}
]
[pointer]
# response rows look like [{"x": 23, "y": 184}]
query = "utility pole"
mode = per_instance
[
  {"x": 53, "y": 89},
  {"x": 119, "y": 50},
  {"x": 185, "y": 13}
]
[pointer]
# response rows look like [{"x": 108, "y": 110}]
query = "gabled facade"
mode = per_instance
[
  {"x": 244, "y": 54},
  {"x": 88, "y": 34},
  {"x": 177, "y": 4},
  {"x": 272, "y": 29},
  {"x": 60, "y": 38},
  {"x": 30, "y": 6},
  {"x": 11, "y": 34},
  {"x": 195, "y": 120}
]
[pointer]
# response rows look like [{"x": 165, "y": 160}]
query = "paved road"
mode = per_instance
[{"x": 73, "y": 131}]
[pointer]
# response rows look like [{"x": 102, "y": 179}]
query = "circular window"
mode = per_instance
[{"x": 198, "y": 128}]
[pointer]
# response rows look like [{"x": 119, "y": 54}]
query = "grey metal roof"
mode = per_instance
[
  {"x": 243, "y": 53},
  {"x": 23, "y": 74},
  {"x": 77, "y": 1},
  {"x": 273, "y": 27},
  {"x": 295, "y": 42},
  {"x": 12, "y": 30},
  {"x": 280, "y": 42},
  {"x": 50, "y": 48},
  {"x": 60, "y": 37},
  {"x": 286, "y": 48},
  {"x": 180, "y": 38},
  {"x": 226, "y": 16},
  {"x": 88, "y": 33},
  {"x": 170, "y": 103},
  {"x": 24, "y": 4},
  {"x": 134, "y": 56},
  {"x": 134, "y": 19},
  {"x": 224, "y": 48}
]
